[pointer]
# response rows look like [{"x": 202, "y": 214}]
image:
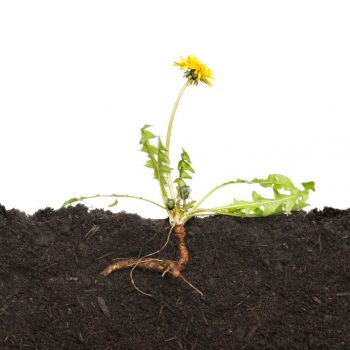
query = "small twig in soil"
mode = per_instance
[
  {"x": 103, "y": 306},
  {"x": 343, "y": 294},
  {"x": 91, "y": 232},
  {"x": 48, "y": 267}
]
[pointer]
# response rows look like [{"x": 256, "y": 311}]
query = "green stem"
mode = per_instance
[
  {"x": 210, "y": 193},
  {"x": 73, "y": 200},
  {"x": 168, "y": 136},
  {"x": 206, "y": 213}
]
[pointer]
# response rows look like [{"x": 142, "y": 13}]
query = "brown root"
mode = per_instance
[
  {"x": 158, "y": 265},
  {"x": 183, "y": 251}
]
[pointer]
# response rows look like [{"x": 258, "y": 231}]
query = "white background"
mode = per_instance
[{"x": 79, "y": 78}]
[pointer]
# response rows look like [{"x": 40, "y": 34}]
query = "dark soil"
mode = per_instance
[{"x": 279, "y": 282}]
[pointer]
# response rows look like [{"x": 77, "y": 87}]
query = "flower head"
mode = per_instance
[{"x": 195, "y": 70}]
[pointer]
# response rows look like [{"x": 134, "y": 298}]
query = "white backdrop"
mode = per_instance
[{"x": 79, "y": 78}]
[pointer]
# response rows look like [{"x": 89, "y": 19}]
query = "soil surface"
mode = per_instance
[{"x": 271, "y": 283}]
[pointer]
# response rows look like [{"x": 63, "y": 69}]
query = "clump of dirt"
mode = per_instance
[{"x": 280, "y": 282}]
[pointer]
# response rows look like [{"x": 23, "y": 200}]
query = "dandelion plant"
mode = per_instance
[{"x": 175, "y": 194}]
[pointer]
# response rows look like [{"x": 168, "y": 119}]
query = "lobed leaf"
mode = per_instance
[
  {"x": 157, "y": 158},
  {"x": 113, "y": 204},
  {"x": 184, "y": 167},
  {"x": 69, "y": 201},
  {"x": 292, "y": 198}
]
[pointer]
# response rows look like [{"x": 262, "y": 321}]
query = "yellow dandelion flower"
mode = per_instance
[{"x": 195, "y": 70}]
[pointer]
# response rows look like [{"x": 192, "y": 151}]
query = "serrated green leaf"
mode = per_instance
[
  {"x": 292, "y": 198},
  {"x": 185, "y": 156},
  {"x": 309, "y": 185},
  {"x": 157, "y": 158},
  {"x": 183, "y": 165},
  {"x": 256, "y": 196},
  {"x": 258, "y": 212},
  {"x": 180, "y": 182},
  {"x": 146, "y": 135},
  {"x": 148, "y": 148},
  {"x": 70, "y": 201},
  {"x": 289, "y": 205},
  {"x": 164, "y": 169},
  {"x": 271, "y": 206},
  {"x": 149, "y": 164},
  {"x": 185, "y": 175},
  {"x": 161, "y": 147}
]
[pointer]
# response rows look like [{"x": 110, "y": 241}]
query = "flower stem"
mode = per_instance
[{"x": 168, "y": 137}]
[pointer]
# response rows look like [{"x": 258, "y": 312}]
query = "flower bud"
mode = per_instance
[
  {"x": 185, "y": 191},
  {"x": 170, "y": 204}
]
